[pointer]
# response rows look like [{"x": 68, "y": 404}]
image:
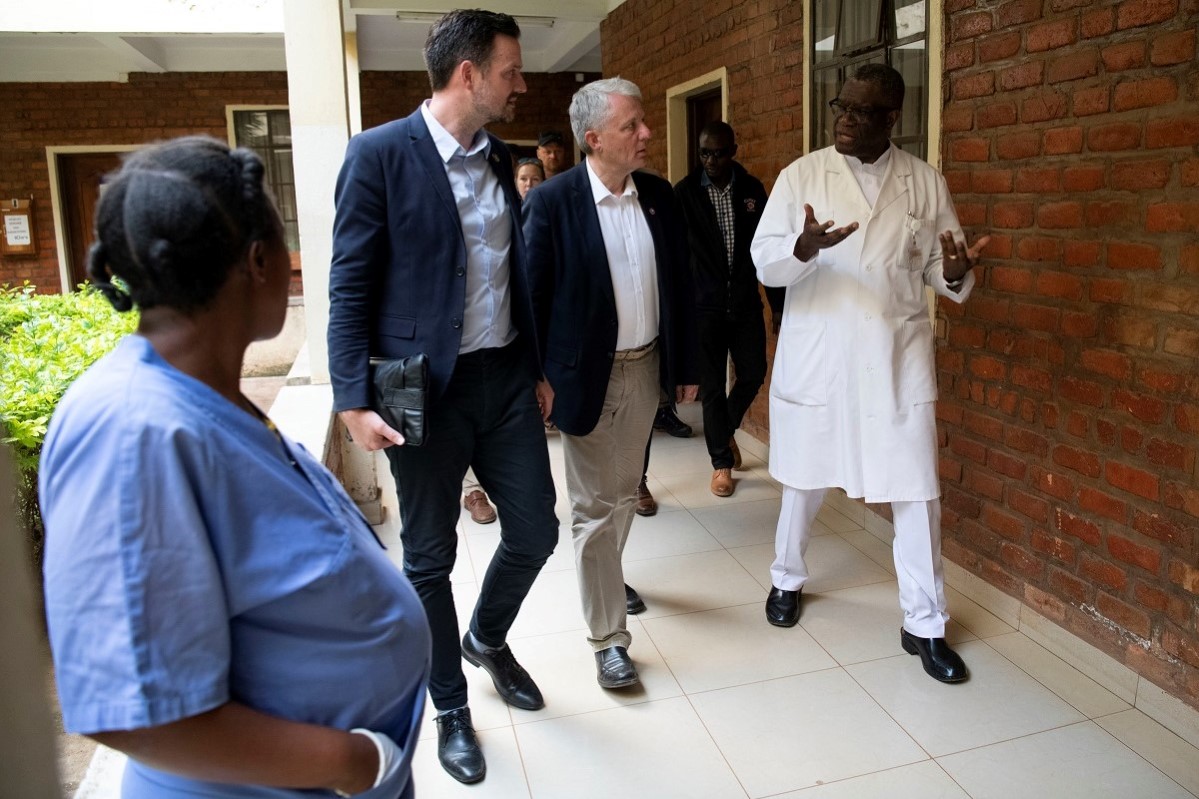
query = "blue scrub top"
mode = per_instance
[{"x": 189, "y": 563}]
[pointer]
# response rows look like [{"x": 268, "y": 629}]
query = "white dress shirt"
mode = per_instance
[
  {"x": 486, "y": 231},
  {"x": 632, "y": 261},
  {"x": 870, "y": 176}
]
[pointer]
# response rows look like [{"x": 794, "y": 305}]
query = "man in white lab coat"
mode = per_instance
[{"x": 852, "y": 397}]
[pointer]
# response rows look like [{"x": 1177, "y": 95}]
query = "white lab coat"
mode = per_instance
[{"x": 853, "y": 392}]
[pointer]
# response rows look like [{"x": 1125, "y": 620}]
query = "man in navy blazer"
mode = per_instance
[
  {"x": 607, "y": 255},
  {"x": 428, "y": 256}
]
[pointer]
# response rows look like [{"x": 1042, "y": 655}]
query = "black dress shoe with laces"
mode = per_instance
[
  {"x": 782, "y": 607},
  {"x": 939, "y": 661},
  {"x": 510, "y": 679},
  {"x": 668, "y": 422},
  {"x": 633, "y": 603},
  {"x": 458, "y": 747},
  {"x": 614, "y": 668}
]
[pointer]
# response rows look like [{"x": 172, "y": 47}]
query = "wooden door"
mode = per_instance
[
  {"x": 81, "y": 178},
  {"x": 701, "y": 109}
]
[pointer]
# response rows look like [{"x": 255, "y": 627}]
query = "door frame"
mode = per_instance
[
  {"x": 60, "y": 233},
  {"x": 676, "y": 117}
]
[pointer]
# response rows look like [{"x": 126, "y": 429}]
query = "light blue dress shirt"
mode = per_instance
[
  {"x": 486, "y": 231},
  {"x": 193, "y": 557}
]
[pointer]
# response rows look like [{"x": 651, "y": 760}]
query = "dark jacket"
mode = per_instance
[
  {"x": 573, "y": 299},
  {"x": 397, "y": 285},
  {"x": 716, "y": 290}
]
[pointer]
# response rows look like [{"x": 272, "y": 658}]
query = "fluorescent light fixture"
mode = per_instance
[{"x": 429, "y": 17}]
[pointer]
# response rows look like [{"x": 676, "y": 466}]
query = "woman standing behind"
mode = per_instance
[
  {"x": 218, "y": 609},
  {"x": 529, "y": 173}
]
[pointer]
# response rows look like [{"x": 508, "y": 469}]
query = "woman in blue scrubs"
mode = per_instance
[{"x": 218, "y": 608}]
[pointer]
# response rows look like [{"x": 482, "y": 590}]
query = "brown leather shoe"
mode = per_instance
[
  {"x": 646, "y": 504},
  {"x": 736, "y": 453},
  {"x": 722, "y": 482},
  {"x": 480, "y": 509}
]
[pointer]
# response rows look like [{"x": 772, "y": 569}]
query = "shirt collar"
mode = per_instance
[
  {"x": 879, "y": 167},
  {"x": 599, "y": 192},
  {"x": 704, "y": 180},
  {"x": 447, "y": 145}
]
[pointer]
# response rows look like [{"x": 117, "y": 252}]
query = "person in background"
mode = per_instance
[
  {"x": 529, "y": 173},
  {"x": 853, "y": 395},
  {"x": 428, "y": 257},
  {"x": 615, "y": 319},
  {"x": 722, "y": 203},
  {"x": 218, "y": 608},
  {"x": 474, "y": 499},
  {"x": 551, "y": 151}
]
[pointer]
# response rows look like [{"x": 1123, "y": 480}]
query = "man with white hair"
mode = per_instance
[{"x": 614, "y": 309}]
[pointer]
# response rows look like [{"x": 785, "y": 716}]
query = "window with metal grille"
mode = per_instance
[
  {"x": 849, "y": 33},
  {"x": 268, "y": 133}
]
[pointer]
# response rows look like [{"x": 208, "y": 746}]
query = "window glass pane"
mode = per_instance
[
  {"x": 824, "y": 29},
  {"x": 268, "y": 133},
  {"x": 910, "y": 16},
  {"x": 280, "y": 128},
  {"x": 250, "y": 129},
  {"x": 291, "y": 231},
  {"x": 859, "y": 24},
  {"x": 911, "y": 61},
  {"x": 826, "y": 84}
]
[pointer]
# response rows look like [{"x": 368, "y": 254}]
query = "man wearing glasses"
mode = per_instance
[
  {"x": 722, "y": 204},
  {"x": 853, "y": 394}
]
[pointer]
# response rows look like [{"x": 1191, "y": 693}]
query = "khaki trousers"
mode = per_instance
[{"x": 603, "y": 469}]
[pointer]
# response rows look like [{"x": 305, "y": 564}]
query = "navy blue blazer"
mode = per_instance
[
  {"x": 397, "y": 284},
  {"x": 574, "y": 303}
]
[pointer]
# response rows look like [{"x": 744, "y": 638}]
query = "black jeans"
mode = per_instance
[
  {"x": 742, "y": 335},
  {"x": 487, "y": 419}
]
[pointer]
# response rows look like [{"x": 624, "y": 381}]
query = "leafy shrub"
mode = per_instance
[{"x": 46, "y": 342}]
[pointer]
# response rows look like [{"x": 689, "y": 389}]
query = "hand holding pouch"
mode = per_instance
[{"x": 401, "y": 388}]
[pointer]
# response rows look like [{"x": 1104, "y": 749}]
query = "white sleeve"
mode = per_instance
[{"x": 773, "y": 247}]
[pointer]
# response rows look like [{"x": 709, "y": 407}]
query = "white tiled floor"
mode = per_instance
[
  {"x": 830, "y": 709},
  {"x": 732, "y": 707}
]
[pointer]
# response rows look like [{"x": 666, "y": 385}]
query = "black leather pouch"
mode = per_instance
[{"x": 401, "y": 393}]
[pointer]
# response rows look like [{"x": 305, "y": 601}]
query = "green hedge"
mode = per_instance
[{"x": 46, "y": 342}]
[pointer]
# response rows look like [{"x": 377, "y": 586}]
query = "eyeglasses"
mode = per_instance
[
  {"x": 857, "y": 113},
  {"x": 526, "y": 161},
  {"x": 723, "y": 152}
]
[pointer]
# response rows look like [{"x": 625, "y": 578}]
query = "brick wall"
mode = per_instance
[
  {"x": 151, "y": 107},
  {"x": 147, "y": 108},
  {"x": 1069, "y": 381},
  {"x": 658, "y": 44}
]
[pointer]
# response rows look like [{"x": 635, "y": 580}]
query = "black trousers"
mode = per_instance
[
  {"x": 487, "y": 419},
  {"x": 742, "y": 336}
]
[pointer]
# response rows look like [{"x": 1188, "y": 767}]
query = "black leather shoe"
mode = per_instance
[
  {"x": 614, "y": 668},
  {"x": 633, "y": 604},
  {"x": 511, "y": 681},
  {"x": 782, "y": 607},
  {"x": 939, "y": 661},
  {"x": 458, "y": 747},
  {"x": 668, "y": 422}
]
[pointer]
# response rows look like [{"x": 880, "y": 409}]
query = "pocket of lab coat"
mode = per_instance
[
  {"x": 915, "y": 379},
  {"x": 801, "y": 365}
]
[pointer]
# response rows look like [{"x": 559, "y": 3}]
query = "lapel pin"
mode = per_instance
[{"x": 652, "y": 212}]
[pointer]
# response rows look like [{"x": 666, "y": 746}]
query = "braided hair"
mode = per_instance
[{"x": 174, "y": 220}]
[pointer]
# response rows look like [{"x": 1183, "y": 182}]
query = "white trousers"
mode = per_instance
[{"x": 917, "y": 552}]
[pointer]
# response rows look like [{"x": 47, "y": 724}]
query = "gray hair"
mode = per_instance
[{"x": 589, "y": 107}]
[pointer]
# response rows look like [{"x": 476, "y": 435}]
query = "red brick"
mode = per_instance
[
  {"x": 1131, "y": 439},
  {"x": 1182, "y": 341},
  {"x": 1026, "y": 441},
  {"x": 1130, "y": 331},
  {"x": 1138, "y": 13},
  {"x": 1012, "y": 215},
  {"x": 1166, "y": 382},
  {"x": 1184, "y": 575},
  {"x": 968, "y": 448},
  {"x": 1134, "y": 554},
  {"x": 1124, "y": 615},
  {"x": 1112, "y": 213},
  {"x": 1172, "y": 48},
  {"x": 1073, "y": 66},
  {"x": 1051, "y": 35},
  {"x": 959, "y": 56},
  {"x": 1165, "y": 530},
  {"x": 1083, "y": 178},
  {"x": 1150, "y": 596},
  {"x": 966, "y": 87},
  {"x": 1011, "y": 279},
  {"x": 1104, "y": 504},
  {"x": 1145, "y": 93},
  {"x": 1039, "y": 248},
  {"x": 1116, "y": 136},
  {"x": 1023, "y": 144},
  {"x": 1170, "y": 297},
  {"x": 956, "y": 119},
  {"x": 1125, "y": 255},
  {"x": 1123, "y": 56},
  {"x": 966, "y": 26},
  {"x": 1066, "y": 214},
  {"x": 1102, "y": 572},
  {"x": 985, "y": 367},
  {"x": 1035, "y": 317},
  {"x": 1172, "y": 217},
  {"x": 949, "y": 470},
  {"x": 995, "y": 48},
  {"x": 1146, "y": 408},
  {"x": 984, "y": 426},
  {"x": 1056, "y": 485},
  {"x": 996, "y": 115},
  {"x": 1095, "y": 100},
  {"x": 1006, "y": 465},
  {"x": 1077, "y": 424},
  {"x": 1138, "y": 175},
  {"x": 1028, "y": 505},
  {"x": 1086, "y": 463},
  {"x": 1190, "y": 172},
  {"x": 1018, "y": 12},
  {"x": 1112, "y": 364},
  {"x": 1030, "y": 73},
  {"x": 970, "y": 150},
  {"x": 1038, "y": 179},
  {"x": 1062, "y": 141},
  {"x": 1133, "y": 480},
  {"x": 1068, "y": 585},
  {"x": 983, "y": 483},
  {"x": 991, "y": 181},
  {"x": 1170, "y": 454},
  {"x": 1182, "y": 647},
  {"x": 1044, "y": 107},
  {"x": 1019, "y": 560},
  {"x": 1098, "y": 23},
  {"x": 1078, "y": 325},
  {"x": 1059, "y": 284},
  {"x": 1007, "y": 526},
  {"x": 1081, "y": 391},
  {"x": 1172, "y": 131}
]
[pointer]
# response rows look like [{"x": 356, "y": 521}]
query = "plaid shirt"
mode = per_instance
[{"x": 722, "y": 201}]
